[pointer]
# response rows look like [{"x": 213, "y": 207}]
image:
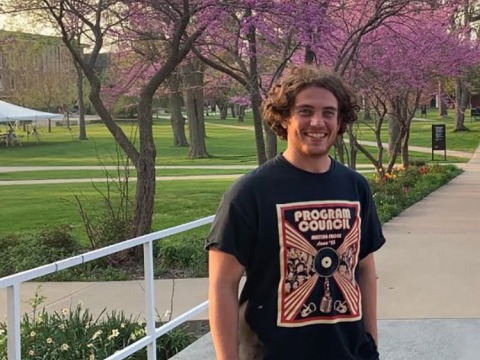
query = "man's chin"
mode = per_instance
[{"x": 316, "y": 154}]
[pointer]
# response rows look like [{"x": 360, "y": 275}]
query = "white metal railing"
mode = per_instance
[{"x": 12, "y": 284}]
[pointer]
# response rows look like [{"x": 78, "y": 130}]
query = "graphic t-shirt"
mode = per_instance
[{"x": 301, "y": 237}]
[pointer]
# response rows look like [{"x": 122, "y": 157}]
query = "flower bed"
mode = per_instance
[{"x": 402, "y": 187}]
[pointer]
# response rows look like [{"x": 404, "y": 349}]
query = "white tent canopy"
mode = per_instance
[{"x": 10, "y": 112}]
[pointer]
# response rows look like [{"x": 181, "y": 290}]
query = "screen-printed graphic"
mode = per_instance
[{"x": 319, "y": 245}]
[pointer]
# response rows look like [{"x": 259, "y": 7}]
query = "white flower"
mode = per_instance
[
  {"x": 90, "y": 345},
  {"x": 49, "y": 340},
  {"x": 114, "y": 334},
  {"x": 64, "y": 347},
  {"x": 61, "y": 326},
  {"x": 122, "y": 325},
  {"x": 31, "y": 352},
  {"x": 133, "y": 337},
  {"x": 33, "y": 334},
  {"x": 97, "y": 334},
  {"x": 168, "y": 314},
  {"x": 91, "y": 357},
  {"x": 65, "y": 311}
]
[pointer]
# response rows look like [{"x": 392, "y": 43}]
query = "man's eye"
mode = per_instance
[{"x": 305, "y": 112}]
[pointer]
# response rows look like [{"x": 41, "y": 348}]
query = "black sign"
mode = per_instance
[
  {"x": 475, "y": 112},
  {"x": 439, "y": 141}
]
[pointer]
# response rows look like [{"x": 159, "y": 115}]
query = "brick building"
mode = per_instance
[{"x": 36, "y": 71}]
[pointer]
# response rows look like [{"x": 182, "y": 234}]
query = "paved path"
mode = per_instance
[
  {"x": 92, "y": 180},
  {"x": 11, "y": 169}
]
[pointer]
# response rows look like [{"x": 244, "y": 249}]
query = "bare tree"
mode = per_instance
[{"x": 100, "y": 20}]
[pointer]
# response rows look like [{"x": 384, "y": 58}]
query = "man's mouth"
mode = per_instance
[{"x": 316, "y": 135}]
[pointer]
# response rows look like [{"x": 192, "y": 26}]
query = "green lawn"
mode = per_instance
[
  {"x": 421, "y": 135},
  {"x": 226, "y": 146},
  {"x": 87, "y": 174},
  {"x": 29, "y": 207}
]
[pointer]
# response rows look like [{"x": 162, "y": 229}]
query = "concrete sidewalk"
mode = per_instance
[
  {"x": 428, "y": 282},
  {"x": 126, "y": 296}
]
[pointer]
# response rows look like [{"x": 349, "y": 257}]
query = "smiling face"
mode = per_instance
[{"x": 311, "y": 129}]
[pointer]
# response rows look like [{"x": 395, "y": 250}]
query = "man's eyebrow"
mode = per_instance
[
  {"x": 300, "y": 106},
  {"x": 330, "y": 108},
  {"x": 303, "y": 106}
]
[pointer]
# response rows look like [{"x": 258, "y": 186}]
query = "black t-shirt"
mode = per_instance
[{"x": 300, "y": 236}]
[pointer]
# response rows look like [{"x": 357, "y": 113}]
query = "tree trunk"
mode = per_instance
[
  {"x": 223, "y": 110},
  {"x": 82, "y": 129},
  {"x": 339, "y": 149},
  {"x": 177, "y": 120},
  {"x": 352, "y": 163},
  {"x": 233, "y": 109},
  {"x": 241, "y": 113},
  {"x": 145, "y": 166},
  {"x": 442, "y": 106},
  {"x": 272, "y": 149},
  {"x": 404, "y": 150},
  {"x": 394, "y": 133},
  {"x": 309, "y": 55},
  {"x": 257, "y": 124},
  {"x": 254, "y": 90},
  {"x": 194, "y": 103},
  {"x": 461, "y": 101}
]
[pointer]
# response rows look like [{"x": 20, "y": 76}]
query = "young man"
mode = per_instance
[{"x": 304, "y": 228}]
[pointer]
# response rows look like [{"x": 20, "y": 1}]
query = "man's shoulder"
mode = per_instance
[
  {"x": 255, "y": 180},
  {"x": 345, "y": 171}
]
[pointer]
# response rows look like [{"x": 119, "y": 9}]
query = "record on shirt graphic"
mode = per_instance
[{"x": 326, "y": 262}]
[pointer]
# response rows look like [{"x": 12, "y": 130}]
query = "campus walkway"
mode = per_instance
[{"x": 428, "y": 281}]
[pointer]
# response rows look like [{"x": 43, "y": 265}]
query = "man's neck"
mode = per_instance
[{"x": 316, "y": 165}]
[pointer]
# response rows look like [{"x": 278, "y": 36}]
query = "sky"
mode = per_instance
[{"x": 7, "y": 25}]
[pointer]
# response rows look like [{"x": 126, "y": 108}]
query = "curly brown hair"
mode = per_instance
[{"x": 276, "y": 107}]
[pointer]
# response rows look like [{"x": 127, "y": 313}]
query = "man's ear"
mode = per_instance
[{"x": 284, "y": 124}]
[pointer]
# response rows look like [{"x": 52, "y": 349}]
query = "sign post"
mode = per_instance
[{"x": 439, "y": 140}]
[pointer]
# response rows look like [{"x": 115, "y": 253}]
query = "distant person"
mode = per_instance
[
  {"x": 289, "y": 225},
  {"x": 34, "y": 133},
  {"x": 423, "y": 110}
]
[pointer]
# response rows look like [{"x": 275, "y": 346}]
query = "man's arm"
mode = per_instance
[
  {"x": 368, "y": 286},
  {"x": 225, "y": 273}
]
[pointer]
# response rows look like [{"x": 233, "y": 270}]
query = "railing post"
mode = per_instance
[
  {"x": 149, "y": 299},
  {"x": 13, "y": 322}
]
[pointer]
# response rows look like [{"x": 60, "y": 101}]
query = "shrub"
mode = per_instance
[
  {"x": 404, "y": 187},
  {"x": 50, "y": 245},
  {"x": 36, "y": 249},
  {"x": 184, "y": 256},
  {"x": 77, "y": 335}
]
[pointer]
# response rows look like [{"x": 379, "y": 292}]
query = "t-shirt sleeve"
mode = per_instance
[
  {"x": 372, "y": 234},
  {"x": 231, "y": 231}
]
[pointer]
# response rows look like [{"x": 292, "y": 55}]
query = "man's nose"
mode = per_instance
[{"x": 317, "y": 120}]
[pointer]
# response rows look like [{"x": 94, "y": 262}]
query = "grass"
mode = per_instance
[
  {"x": 94, "y": 174},
  {"x": 226, "y": 147},
  {"x": 30, "y": 207},
  {"x": 420, "y": 134}
]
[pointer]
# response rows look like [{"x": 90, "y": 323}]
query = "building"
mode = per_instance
[{"x": 36, "y": 71}]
